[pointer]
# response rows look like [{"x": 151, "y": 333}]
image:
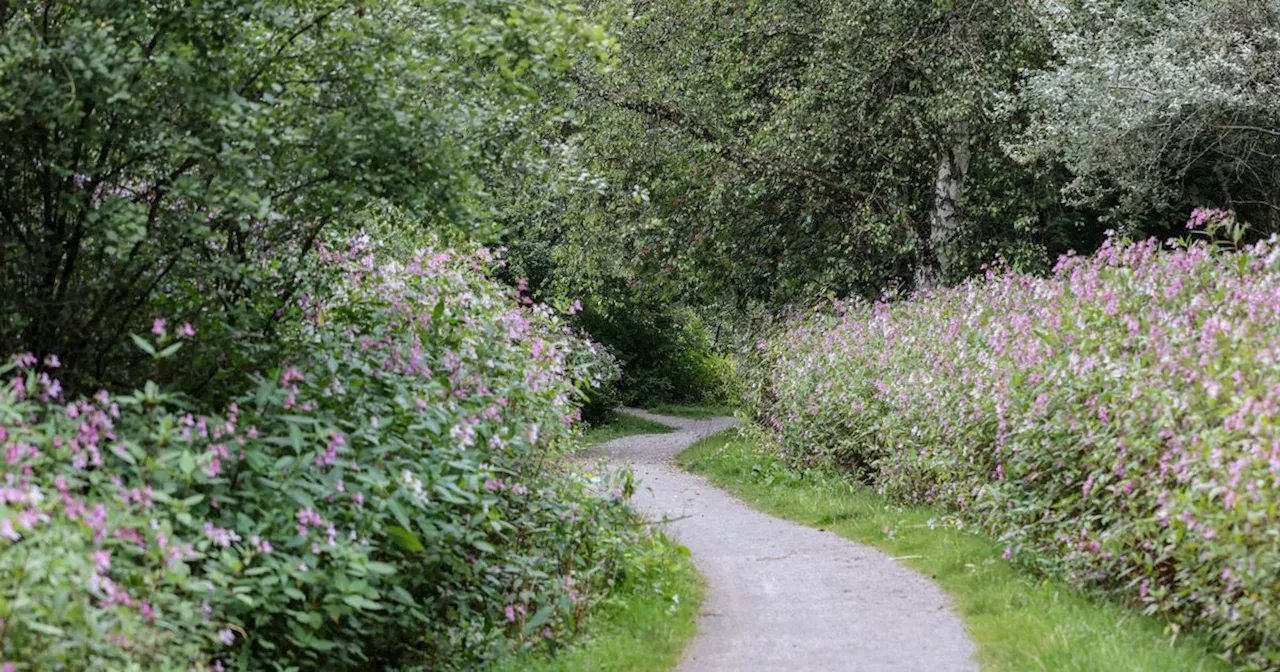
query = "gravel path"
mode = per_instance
[{"x": 782, "y": 596}]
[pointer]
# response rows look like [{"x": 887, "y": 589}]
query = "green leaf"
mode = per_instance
[
  {"x": 360, "y": 602},
  {"x": 143, "y": 345},
  {"x": 400, "y": 514},
  {"x": 539, "y": 617},
  {"x": 381, "y": 568},
  {"x": 310, "y": 618},
  {"x": 46, "y": 629},
  {"x": 125, "y": 454},
  {"x": 405, "y": 539}
]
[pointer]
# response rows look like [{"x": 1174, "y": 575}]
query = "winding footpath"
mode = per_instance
[{"x": 782, "y": 596}]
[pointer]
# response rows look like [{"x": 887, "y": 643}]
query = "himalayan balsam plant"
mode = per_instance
[
  {"x": 1115, "y": 423},
  {"x": 385, "y": 497}
]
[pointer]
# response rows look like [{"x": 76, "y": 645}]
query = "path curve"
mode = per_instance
[{"x": 783, "y": 596}]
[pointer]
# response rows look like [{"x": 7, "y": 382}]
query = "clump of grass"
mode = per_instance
[
  {"x": 1019, "y": 622},
  {"x": 643, "y": 627},
  {"x": 620, "y": 425},
  {"x": 695, "y": 411}
]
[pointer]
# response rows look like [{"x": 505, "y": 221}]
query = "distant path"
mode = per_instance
[{"x": 782, "y": 596}]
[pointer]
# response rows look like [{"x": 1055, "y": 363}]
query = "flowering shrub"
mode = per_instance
[
  {"x": 385, "y": 497},
  {"x": 1116, "y": 423}
]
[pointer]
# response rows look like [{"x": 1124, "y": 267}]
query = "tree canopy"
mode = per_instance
[{"x": 183, "y": 158}]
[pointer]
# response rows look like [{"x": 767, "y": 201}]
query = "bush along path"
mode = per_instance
[{"x": 781, "y": 596}]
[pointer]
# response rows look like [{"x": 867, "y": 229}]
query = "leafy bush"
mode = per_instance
[
  {"x": 664, "y": 356},
  {"x": 385, "y": 497},
  {"x": 1115, "y": 423},
  {"x": 183, "y": 158}
]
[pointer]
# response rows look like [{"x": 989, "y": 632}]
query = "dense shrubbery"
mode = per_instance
[
  {"x": 386, "y": 496},
  {"x": 1116, "y": 423},
  {"x": 664, "y": 357},
  {"x": 183, "y": 158},
  {"x": 664, "y": 349}
]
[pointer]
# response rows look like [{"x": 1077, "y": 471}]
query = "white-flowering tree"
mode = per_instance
[{"x": 1156, "y": 105}]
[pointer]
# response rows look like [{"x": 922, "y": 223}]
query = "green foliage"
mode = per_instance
[
  {"x": 776, "y": 150},
  {"x": 663, "y": 358},
  {"x": 666, "y": 353},
  {"x": 1157, "y": 106},
  {"x": 184, "y": 158},
  {"x": 386, "y": 496},
  {"x": 1018, "y": 621}
]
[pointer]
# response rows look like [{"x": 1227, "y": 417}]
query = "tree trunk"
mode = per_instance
[{"x": 940, "y": 255}]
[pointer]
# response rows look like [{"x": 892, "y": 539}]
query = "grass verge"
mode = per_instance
[
  {"x": 696, "y": 412},
  {"x": 620, "y": 425},
  {"x": 641, "y": 628},
  {"x": 1018, "y": 622}
]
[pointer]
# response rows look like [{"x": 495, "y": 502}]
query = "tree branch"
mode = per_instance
[{"x": 679, "y": 119}]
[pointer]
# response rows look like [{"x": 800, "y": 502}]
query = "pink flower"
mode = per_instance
[
  {"x": 157, "y": 327},
  {"x": 227, "y": 636},
  {"x": 186, "y": 330},
  {"x": 511, "y": 614}
]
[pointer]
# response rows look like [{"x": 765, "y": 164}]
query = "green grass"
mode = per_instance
[
  {"x": 638, "y": 630},
  {"x": 620, "y": 425},
  {"x": 1019, "y": 623},
  {"x": 696, "y": 412}
]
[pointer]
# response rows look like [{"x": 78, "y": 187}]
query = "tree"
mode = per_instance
[
  {"x": 180, "y": 159},
  {"x": 1156, "y": 107},
  {"x": 776, "y": 150}
]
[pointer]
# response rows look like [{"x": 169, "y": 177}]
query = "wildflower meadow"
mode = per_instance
[{"x": 1114, "y": 423}]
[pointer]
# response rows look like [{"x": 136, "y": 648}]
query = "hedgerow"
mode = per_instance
[
  {"x": 1115, "y": 423},
  {"x": 387, "y": 496}
]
